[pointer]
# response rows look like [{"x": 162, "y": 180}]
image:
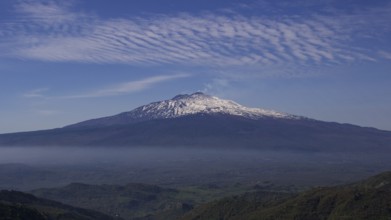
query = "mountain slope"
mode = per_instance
[
  {"x": 22, "y": 206},
  {"x": 369, "y": 199},
  {"x": 201, "y": 120}
]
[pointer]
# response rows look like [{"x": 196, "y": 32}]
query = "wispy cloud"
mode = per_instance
[
  {"x": 46, "y": 112},
  {"x": 385, "y": 55},
  {"x": 57, "y": 32},
  {"x": 48, "y": 12},
  {"x": 128, "y": 87},
  {"x": 113, "y": 90},
  {"x": 36, "y": 93}
]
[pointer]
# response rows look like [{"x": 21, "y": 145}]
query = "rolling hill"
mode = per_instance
[
  {"x": 128, "y": 201},
  {"x": 366, "y": 200}
]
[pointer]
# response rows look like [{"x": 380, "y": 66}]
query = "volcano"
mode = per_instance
[{"x": 202, "y": 120}]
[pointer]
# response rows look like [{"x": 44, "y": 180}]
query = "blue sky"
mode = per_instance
[{"x": 66, "y": 61}]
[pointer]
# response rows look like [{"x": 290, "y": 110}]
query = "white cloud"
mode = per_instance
[
  {"x": 128, "y": 87},
  {"x": 48, "y": 13},
  {"x": 113, "y": 90},
  {"x": 46, "y": 112},
  {"x": 36, "y": 93},
  {"x": 385, "y": 54},
  {"x": 55, "y": 32}
]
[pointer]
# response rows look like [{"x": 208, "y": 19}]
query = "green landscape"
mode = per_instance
[{"x": 366, "y": 199}]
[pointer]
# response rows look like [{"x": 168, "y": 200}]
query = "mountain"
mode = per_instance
[
  {"x": 366, "y": 200},
  {"x": 207, "y": 121},
  {"x": 184, "y": 105},
  {"x": 22, "y": 206}
]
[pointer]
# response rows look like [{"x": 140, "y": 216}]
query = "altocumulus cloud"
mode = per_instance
[{"x": 57, "y": 32}]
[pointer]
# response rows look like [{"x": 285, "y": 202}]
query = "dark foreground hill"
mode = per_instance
[
  {"x": 22, "y": 206},
  {"x": 366, "y": 200},
  {"x": 129, "y": 201}
]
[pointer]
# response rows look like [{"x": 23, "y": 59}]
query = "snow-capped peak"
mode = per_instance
[
  {"x": 200, "y": 103},
  {"x": 183, "y": 105}
]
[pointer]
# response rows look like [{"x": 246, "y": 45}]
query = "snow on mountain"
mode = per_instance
[
  {"x": 183, "y": 105},
  {"x": 200, "y": 103}
]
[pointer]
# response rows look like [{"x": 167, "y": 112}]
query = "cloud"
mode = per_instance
[
  {"x": 114, "y": 90},
  {"x": 385, "y": 54},
  {"x": 46, "y": 112},
  {"x": 57, "y": 32},
  {"x": 216, "y": 83},
  {"x": 49, "y": 12},
  {"x": 36, "y": 93},
  {"x": 128, "y": 87}
]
